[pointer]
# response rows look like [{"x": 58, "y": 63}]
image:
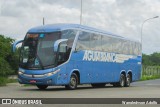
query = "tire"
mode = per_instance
[
  {"x": 42, "y": 87},
  {"x": 122, "y": 81},
  {"x": 73, "y": 82},
  {"x": 98, "y": 85},
  {"x": 128, "y": 80}
]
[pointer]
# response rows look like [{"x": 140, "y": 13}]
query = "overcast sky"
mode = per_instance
[{"x": 122, "y": 17}]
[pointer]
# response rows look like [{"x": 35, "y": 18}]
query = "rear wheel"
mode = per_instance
[
  {"x": 73, "y": 82},
  {"x": 128, "y": 80},
  {"x": 99, "y": 85},
  {"x": 42, "y": 87}
]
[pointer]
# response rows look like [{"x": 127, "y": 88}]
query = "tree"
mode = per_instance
[
  {"x": 8, "y": 60},
  {"x": 151, "y": 60}
]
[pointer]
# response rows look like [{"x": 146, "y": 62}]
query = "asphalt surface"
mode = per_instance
[{"x": 141, "y": 89}]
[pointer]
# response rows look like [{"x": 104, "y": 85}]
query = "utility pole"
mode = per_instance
[
  {"x": 81, "y": 13},
  {"x": 43, "y": 21},
  {"x": 142, "y": 38}
]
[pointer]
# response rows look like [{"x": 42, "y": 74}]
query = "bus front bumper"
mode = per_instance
[{"x": 32, "y": 79}]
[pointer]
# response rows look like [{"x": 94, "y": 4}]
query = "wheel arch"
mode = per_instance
[
  {"x": 76, "y": 71},
  {"x": 123, "y": 72}
]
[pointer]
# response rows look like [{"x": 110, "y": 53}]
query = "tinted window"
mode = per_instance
[
  {"x": 45, "y": 48},
  {"x": 116, "y": 45},
  {"x": 70, "y": 35},
  {"x": 106, "y": 43},
  {"x": 92, "y": 41},
  {"x": 95, "y": 42},
  {"x": 83, "y": 41}
]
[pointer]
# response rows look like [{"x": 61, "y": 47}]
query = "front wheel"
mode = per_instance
[
  {"x": 73, "y": 82},
  {"x": 42, "y": 87}
]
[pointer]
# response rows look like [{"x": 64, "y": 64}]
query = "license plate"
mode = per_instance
[{"x": 32, "y": 81}]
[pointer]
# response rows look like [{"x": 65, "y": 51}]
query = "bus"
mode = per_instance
[{"x": 73, "y": 54}]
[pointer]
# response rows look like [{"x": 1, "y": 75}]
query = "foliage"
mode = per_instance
[
  {"x": 3, "y": 81},
  {"x": 149, "y": 77},
  {"x": 8, "y": 60},
  {"x": 151, "y": 60}
]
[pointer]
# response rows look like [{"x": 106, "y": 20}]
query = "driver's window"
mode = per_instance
[
  {"x": 62, "y": 53},
  {"x": 63, "y": 47}
]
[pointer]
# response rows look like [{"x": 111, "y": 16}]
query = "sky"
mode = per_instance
[{"x": 122, "y": 17}]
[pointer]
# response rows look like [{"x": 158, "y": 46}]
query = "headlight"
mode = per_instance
[
  {"x": 52, "y": 73},
  {"x": 20, "y": 72}
]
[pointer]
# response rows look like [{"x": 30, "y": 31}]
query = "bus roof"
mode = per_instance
[{"x": 60, "y": 27}]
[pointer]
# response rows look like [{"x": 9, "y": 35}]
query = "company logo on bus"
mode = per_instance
[{"x": 105, "y": 57}]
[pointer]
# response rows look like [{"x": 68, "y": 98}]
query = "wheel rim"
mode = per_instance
[{"x": 73, "y": 82}]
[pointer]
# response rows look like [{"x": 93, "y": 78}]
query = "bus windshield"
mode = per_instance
[{"x": 37, "y": 50}]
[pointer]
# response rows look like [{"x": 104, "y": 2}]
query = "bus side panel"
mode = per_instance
[
  {"x": 84, "y": 67},
  {"x": 103, "y": 72},
  {"x": 62, "y": 75}
]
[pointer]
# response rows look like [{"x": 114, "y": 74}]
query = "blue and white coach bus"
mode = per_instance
[{"x": 72, "y": 54}]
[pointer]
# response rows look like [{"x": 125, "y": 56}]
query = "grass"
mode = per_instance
[
  {"x": 150, "y": 77},
  {"x": 26, "y": 85},
  {"x": 5, "y": 80}
]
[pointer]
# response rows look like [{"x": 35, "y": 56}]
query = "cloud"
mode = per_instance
[{"x": 122, "y": 17}]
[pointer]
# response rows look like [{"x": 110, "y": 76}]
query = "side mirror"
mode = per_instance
[
  {"x": 56, "y": 44},
  {"x": 15, "y": 44}
]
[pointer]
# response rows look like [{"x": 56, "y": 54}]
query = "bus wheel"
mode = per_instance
[
  {"x": 128, "y": 80},
  {"x": 122, "y": 81},
  {"x": 42, "y": 87},
  {"x": 73, "y": 82},
  {"x": 98, "y": 85}
]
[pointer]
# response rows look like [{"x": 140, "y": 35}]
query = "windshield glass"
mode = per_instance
[{"x": 37, "y": 50}]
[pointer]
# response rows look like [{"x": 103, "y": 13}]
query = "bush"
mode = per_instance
[
  {"x": 3, "y": 81},
  {"x": 8, "y": 60},
  {"x": 5, "y": 68}
]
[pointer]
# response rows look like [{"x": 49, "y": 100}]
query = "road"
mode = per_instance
[
  {"x": 141, "y": 89},
  {"x": 147, "y": 89}
]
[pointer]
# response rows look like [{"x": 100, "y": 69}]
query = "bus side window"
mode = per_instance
[
  {"x": 83, "y": 41},
  {"x": 106, "y": 43},
  {"x": 95, "y": 42}
]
